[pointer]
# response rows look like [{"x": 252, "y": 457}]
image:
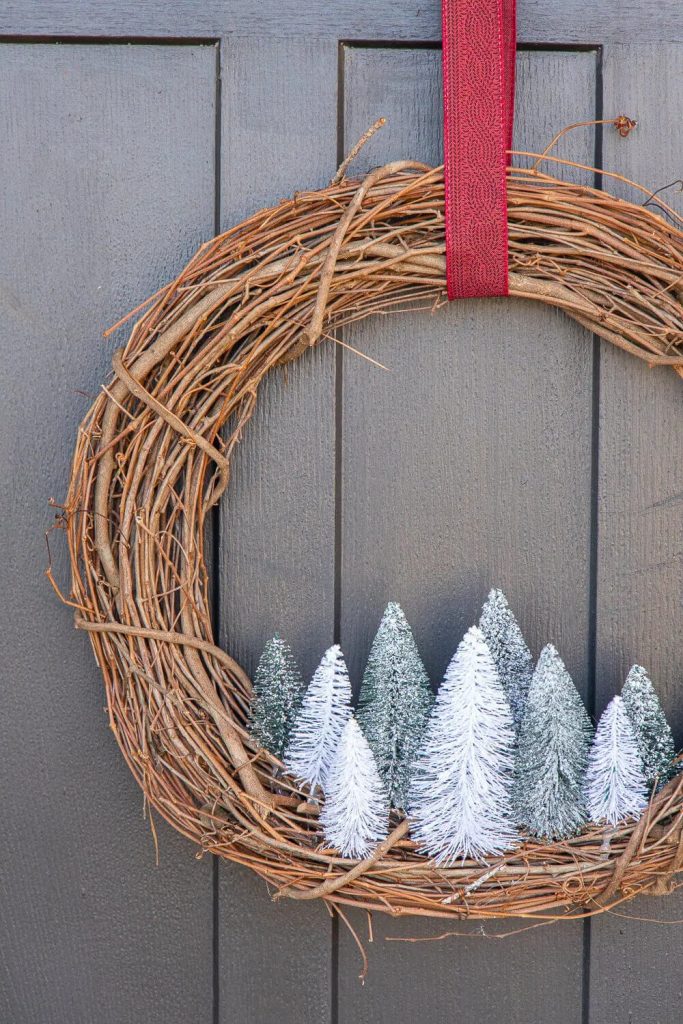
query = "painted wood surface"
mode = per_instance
[
  {"x": 107, "y": 170},
  {"x": 640, "y": 541},
  {"x": 503, "y": 445},
  {"x": 276, "y": 541}
]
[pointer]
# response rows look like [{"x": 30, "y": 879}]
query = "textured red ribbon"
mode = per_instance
[{"x": 479, "y": 41}]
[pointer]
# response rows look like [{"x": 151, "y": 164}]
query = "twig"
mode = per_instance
[
  {"x": 623, "y": 124},
  {"x": 348, "y": 160}
]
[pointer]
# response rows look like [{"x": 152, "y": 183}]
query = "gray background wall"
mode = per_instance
[{"x": 504, "y": 445}]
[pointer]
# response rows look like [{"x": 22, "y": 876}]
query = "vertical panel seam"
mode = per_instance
[
  {"x": 338, "y": 380},
  {"x": 215, "y": 560},
  {"x": 595, "y": 431},
  {"x": 338, "y": 453},
  {"x": 594, "y": 521}
]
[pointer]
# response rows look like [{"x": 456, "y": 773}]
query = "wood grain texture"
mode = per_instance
[
  {"x": 467, "y": 465},
  {"x": 542, "y": 21},
  {"x": 634, "y": 965},
  {"x": 107, "y": 170},
  {"x": 277, "y": 523}
]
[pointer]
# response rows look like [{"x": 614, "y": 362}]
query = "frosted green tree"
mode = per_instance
[
  {"x": 552, "y": 753},
  {"x": 651, "y": 729},
  {"x": 394, "y": 703},
  {"x": 278, "y": 692},
  {"x": 510, "y": 653},
  {"x": 615, "y": 781}
]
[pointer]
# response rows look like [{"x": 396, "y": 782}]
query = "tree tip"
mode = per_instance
[
  {"x": 549, "y": 652},
  {"x": 637, "y": 670},
  {"x": 475, "y": 633}
]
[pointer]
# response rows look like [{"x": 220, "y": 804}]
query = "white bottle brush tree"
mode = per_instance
[
  {"x": 460, "y": 799},
  {"x": 278, "y": 692},
  {"x": 325, "y": 710},
  {"x": 616, "y": 788},
  {"x": 394, "y": 703},
  {"x": 652, "y": 732},
  {"x": 552, "y": 753},
  {"x": 510, "y": 653},
  {"x": 355, "y": 815}
]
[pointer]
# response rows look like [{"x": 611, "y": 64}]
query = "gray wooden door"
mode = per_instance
[{"x": 503, "y": 446}]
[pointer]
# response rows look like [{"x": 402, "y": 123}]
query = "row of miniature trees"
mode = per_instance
[{"x": 503, "y": 746}]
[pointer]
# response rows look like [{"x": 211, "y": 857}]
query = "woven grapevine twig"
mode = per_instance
[{"x": 153, "y": 456}]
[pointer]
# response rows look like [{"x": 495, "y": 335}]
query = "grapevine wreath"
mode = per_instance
[{"x": 153, "y": 457}]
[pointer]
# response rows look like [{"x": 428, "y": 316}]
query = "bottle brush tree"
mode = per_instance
[
  {"x": 616, "y": 788},
  {"x": 552, "y": 753},
  {"x": 652, "y": 732},
  {"x": 355, "y": 815},
  {"x": 325, "y": 710},
  {"x": 394, "y": 703},
  {"x": 278, "y": 692},
  {"x": 510, "y": 653},
  {"x": 460, "y": 798}
]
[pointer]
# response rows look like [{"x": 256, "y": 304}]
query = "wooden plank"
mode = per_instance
[
  {"x": 634, "y": 975},
  {"x": 540, "y": 21},
  {"x": 277, "y": 526},
  {"x": 467, "y": 465},
  {"x": 107, "y": 168}
]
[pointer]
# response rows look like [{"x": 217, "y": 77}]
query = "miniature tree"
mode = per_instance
[
  {"x": 616, "y": 788},
  {"x": 510, "y": 653},
  {"x": 652, "y": 732},
  {"x": 394, "y": 703},
  {"x": 460, "y": 799},
  {"x": 278, "y": 692},
  {"x": 552, "y": 753},
  {"x": 355, "y": 816},
  {"x": 325, "y": 710}
]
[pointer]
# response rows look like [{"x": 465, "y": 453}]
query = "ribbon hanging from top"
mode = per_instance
[{"x": 478, "y": 60}]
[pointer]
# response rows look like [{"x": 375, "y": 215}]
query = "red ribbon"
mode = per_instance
[{"x": 478, "y": 59}]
